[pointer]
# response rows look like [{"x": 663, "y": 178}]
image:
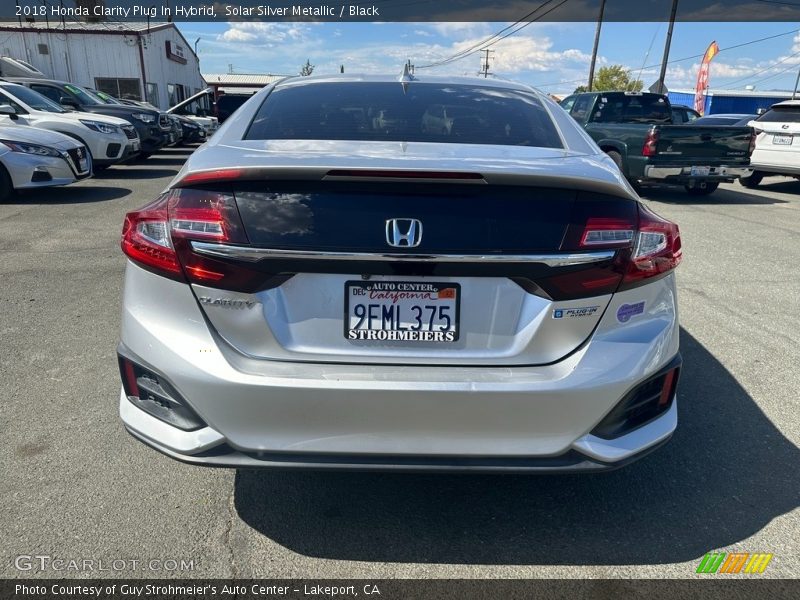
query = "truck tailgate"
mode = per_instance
[{"x": 702, "y": 145}]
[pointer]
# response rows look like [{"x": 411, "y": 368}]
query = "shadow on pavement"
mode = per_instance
[
  {"x": 671, "y": 195},
  {"x": 80, "y": 194},
  {"x": 135, "y": 173},
  {"x": 726, "y": 473}
]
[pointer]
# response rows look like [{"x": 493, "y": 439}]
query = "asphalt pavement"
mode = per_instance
[{"x": 76, "y": 486}]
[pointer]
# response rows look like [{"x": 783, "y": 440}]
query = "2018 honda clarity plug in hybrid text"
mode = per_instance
[{"x": 413, "y": 273}]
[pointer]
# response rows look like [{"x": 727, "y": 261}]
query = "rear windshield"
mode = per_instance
[
  {"x": 645, "y": 108},
  {"x": 781, "y": 114},
  {"x": 415, "y": 112},
  {"x": 717, "y": 121}
]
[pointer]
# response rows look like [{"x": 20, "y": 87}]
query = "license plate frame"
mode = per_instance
[
  {"x": 390, "y": 293},
  {"x": 700, "y": 171},
  {"x": 782, "y": 139},
  {"x": 83, "y": 164}
]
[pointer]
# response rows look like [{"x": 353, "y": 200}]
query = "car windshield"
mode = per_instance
[
  {"x": 84, "y": 97},
  {"x": 105, "y": 98},
  {"x": 389, "y": 111},
  {"x": 33, "y": 99},
  {"x": 717, "y": 120},
  {"x": 781, "y": 114},
  {"x": 634, "y": 108}
]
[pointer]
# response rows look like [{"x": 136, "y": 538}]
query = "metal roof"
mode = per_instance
[
  {"x": 245, "y": 79},
  {"x": 742, "y": 93},
  {"x": 100, "y": 27}
]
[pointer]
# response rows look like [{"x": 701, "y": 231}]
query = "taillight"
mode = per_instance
[
  {"x": 753, "y": 137},
  {"x": 146, "y": 239},
  {"x": 157, "y": 234},
  {"x": 650, "y": 143},
  {"x": 657, "y": 249},
  {"x": 644, "y": 245}
]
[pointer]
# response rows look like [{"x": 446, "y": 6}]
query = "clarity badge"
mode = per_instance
[{"x": 571, "y": 313}]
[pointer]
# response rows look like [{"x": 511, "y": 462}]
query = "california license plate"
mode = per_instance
[
  {"x": 401, "y": 311},
  {"x": 782, "y": 139},
  {"x": 83, "y": 164},
  {"x": 135, "y": 146},
  {"x": 700, "y": 171}
]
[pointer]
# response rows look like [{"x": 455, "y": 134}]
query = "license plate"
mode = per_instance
[
  {"x": 83, "y": 164},
  {"x": 135, "y": 147},
  {"x": 700, "y": 171},
  {"x": 782, "y": 139},
  {"x": 401, "y": 311},
  {"x": 171, "y": 138}
]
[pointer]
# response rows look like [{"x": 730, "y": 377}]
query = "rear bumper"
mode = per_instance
[
  {"x": 318, "y": 415},
  {"x": 684, "y": 174}
]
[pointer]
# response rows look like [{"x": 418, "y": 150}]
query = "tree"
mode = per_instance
[
  {"x": 613, "y": 78},
  {"x": 307, "y": 69}
]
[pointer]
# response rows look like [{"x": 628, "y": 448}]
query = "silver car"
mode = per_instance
[
  {"x": 322, "y": 288},
  {"x": 32, "y": 158}
]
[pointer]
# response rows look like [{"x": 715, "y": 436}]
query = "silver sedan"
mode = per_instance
[
  {"x": 33, "y": 158},
  {"x": 329, "y": 283}
]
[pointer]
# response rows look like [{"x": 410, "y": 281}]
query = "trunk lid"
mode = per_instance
[
  {"x": 490, "y": 229},
  {"x": 702, "y": 144}
]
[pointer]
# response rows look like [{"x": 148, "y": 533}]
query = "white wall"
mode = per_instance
[{"x": 80, "y": 57}]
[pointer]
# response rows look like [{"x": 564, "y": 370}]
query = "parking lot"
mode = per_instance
[{"x": 77, "y": 486}]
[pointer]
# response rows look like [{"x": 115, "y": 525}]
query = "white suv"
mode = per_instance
[
  {"x": 776, "y": 152},
  {"x": 109, "y": 140}
]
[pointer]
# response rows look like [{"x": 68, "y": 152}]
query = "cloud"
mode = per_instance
[{"x": 264, "y": 33}]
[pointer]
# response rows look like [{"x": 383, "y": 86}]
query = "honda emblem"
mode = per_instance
[{"x": 403, "y": 233}]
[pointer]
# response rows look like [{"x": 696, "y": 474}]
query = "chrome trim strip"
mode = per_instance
[{"x": 252, "y": 254}]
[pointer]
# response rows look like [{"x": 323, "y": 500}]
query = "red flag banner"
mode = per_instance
[{"x": 702, "y": 78}]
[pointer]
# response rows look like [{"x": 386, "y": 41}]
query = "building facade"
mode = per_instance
[
  {"x": 136, "y": 61},
  {"x": 749, "y": 102}
]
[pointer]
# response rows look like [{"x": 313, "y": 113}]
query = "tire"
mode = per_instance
[
  {"x": 6, "y": 188},
  {"x": 752, "y": 181},
  {"x": 710, "y": 188},
  {"x": 617, "y": 158}
]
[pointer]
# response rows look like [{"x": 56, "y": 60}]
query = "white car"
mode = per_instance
[
  {"x": 32, "y": 158},
  {"x": 195, "y": 108},
  {"x": 109, "y": 139},
  {"x": 777, "y": 149}
]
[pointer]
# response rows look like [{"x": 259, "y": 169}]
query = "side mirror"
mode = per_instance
[
  {"x": 7, "y": 109},
  {"x": 67, "y": 102}
]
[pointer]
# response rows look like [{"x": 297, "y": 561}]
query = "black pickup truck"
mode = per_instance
[{"x": 637, "y": 131}]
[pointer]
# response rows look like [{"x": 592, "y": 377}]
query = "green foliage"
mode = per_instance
[{"x": 613, "y": 78}]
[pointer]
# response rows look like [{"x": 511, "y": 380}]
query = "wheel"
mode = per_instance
[
  {"x": 752, "y": 181},
  {"x": 710, "y": 188},
  {"x": 6, "y": 189},
  {"x": 616, "y": 157}
]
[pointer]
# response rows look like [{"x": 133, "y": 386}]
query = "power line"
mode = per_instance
[{"x": 491, "y": 39}]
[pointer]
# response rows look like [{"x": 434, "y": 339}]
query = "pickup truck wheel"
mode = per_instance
[
  {"x": 709, "y": 189},
  {"x": 752, "y": 181},
  {"x": 616, "y": 157}
]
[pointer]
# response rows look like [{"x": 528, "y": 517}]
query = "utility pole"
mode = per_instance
[
  {"x": 485, "y": 66},
  {"x": 665, "y": 59},
  {"x": 596, "y": 43},
  {"x": 796, "y": 81}
]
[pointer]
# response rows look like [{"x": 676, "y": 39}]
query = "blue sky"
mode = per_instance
[{"x": 554, "y": 56}]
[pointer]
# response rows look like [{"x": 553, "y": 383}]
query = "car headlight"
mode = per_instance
[
  {"x": 144, "y": 117},
  {"x": 100, "y": 127},
  {"x": 26, "y": 148}
]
